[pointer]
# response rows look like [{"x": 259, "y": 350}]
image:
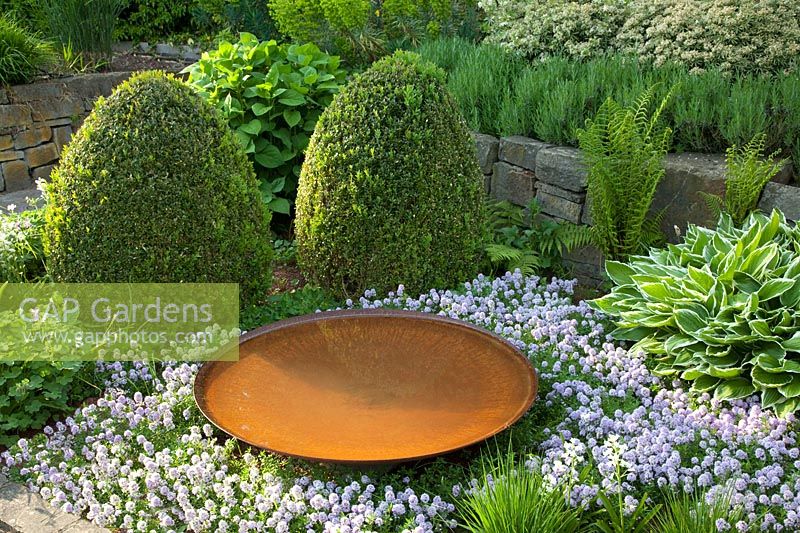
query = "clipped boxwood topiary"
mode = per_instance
[
  {"x": 390, "y": 191},
  {"x": 155, "y": 188}
]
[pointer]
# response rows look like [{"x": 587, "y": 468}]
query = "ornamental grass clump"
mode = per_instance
[
  {"x": 719, "y": 309},
  {"x": 155, "y": 188},
  {"x": 390, "y": 191},
  {"x": 23, "y": 54},
  {"x": 513, "y": 497}
]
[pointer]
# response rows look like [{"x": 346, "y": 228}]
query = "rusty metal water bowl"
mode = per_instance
[{"x": 367, "y": 387}]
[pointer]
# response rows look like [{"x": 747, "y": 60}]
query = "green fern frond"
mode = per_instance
[
  {"x": 714, "y": 202},
  {"x": 528, "y": 264},
  {"x": 503, "y": 214},
  {"x": 569, "y": 236},
  {"x": 652, "y": 236},
  {"x": 502, "y": 254},
  {"x": 748, "y": 171},
  {"x": 624, "y": 149}
]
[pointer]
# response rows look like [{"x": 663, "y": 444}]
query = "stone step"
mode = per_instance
[{"x": 22, "y": 511}]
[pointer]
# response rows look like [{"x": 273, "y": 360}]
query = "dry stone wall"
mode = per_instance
[
  {"x": 519, "y": 169},
  {"x": 38, "y": 120}
]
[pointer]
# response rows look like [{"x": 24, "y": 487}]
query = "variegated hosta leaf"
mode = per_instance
[{"x": 721, "y": 309}]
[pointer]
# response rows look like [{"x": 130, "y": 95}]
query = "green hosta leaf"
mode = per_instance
[
  {"x": 684, "y": 358},
  {"x": 656, "y": 291},
  {"x": 768, "y": 363},
  {"x": 791, "y": 298},
  {"x": 761, "y": 328},
  {"x": 724, "y": 373},
  {"x": 752, "y": 304},
  {"x": 691, "y": 374},
  {"x": 761, "y": 261},
  {"x": 792, "y": 388},
  {"x": 702, "y": 277},
  {"x": 792, "y": 344},
  {"x": 775, "y": 287},
  {"x": 773, "y": 349},
  {"x": 769, "y": 380},
  {"x": 727, "y": 268},
  {"x": 770, "y": 229},
  {"x": 733, "y": 389},
  {"x": 639, "y": 279},
  {"x": 631, "y": 334},
  {"x": 648, "y": 345},
  {"x": 633, "y": 317},
  {"x": 771, "y": 397},
  {"x": 791, "y": 366},
  {"x": 745, "y": 282},
  {"x": 664, "y": 369},
  {"x": 704, "y": 383},
  {"x": 658, "y": 308},
  {"x": 620, "y": 273},
  {"x": 688, "y": 321},
  {"x": 722, "y": 360},
  {"x": 677, "y": 342},
  {"x": 717, "y": 298},
  {"x": 657, "y": 321},
  {"x": 787, "y": 407}
]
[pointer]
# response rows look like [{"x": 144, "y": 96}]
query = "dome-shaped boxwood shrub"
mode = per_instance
[
  {"x": 155, "y": 188},
  {"x": 390, "y": 191}
]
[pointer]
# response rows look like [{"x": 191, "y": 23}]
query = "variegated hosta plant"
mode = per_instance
[{"x": 720, "y": 309}]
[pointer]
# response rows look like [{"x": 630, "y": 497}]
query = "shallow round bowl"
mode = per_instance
[{"x": 367, "y": 386}]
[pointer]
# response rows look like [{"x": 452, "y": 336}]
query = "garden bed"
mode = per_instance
[{"x": 143, "y": 455}]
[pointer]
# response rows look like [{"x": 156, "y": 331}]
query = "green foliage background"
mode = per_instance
[
  {"x": 272, "y": 96},
  {"x": 145, "y": 20},
  {"x": 33, "y": 392}
]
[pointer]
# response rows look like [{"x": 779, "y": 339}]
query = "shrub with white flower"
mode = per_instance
[{"x": 21, "y": 249}]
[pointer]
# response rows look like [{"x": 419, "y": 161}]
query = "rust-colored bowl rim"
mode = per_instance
[{"x": 202, "y": 376}]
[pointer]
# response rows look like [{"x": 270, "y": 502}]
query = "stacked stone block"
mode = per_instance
[
  {"x": 518, "y": 169},
  {"x": 38, "y": 120}
]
